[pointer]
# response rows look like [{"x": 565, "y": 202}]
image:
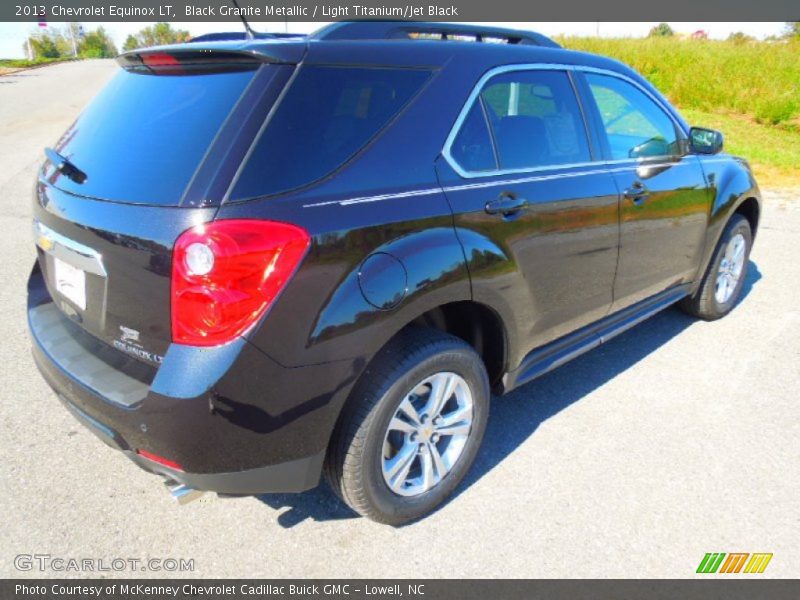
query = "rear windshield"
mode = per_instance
[
  {"x": 142, "y": 138},
  {"x": 326, "y": 117}
]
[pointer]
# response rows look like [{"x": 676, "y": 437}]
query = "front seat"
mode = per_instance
[{"x": 521, "y": 141}]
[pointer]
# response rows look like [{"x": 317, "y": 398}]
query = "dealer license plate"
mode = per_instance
[{"x": 70, "y": 282}]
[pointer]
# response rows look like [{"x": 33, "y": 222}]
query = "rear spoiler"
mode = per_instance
[{"x": 206, "y": 57}]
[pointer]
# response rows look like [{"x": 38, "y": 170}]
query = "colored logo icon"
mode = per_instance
[{"x": 736, "y": 562}]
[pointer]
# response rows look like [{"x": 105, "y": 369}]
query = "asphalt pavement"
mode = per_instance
[{"x": 676, "y": 439}]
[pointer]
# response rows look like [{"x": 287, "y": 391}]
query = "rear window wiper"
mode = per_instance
[{"x": 63, "y": 165}]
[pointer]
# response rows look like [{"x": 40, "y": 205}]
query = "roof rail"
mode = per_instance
[{"x": 384, "y": 30}]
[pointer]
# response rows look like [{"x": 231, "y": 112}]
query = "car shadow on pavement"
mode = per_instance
[
  {"x": 319, "y": 504},
  {"x": 515, "y": 417}
]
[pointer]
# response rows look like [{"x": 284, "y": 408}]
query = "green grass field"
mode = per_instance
[
  {"x": 24, "y": 63},
  {"x": 750, "y": 91}
]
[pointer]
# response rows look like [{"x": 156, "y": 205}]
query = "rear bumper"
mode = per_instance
[
  {"x": 292, "y": 476},
  {"x": 233, "y": 419}
]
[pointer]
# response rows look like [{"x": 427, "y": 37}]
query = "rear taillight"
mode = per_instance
[{"x": 225, "y": 274}]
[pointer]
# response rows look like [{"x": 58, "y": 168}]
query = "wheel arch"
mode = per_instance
[
  {"x": 750, "y": 209},
  {"x": 735, "y": 191},
  {"x": 478, "y": 325}
]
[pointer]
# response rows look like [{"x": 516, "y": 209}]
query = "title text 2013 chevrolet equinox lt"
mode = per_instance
[{"x": 264, "y": 259}]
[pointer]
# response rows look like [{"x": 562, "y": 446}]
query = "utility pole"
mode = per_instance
[
  {"x": 29, "y": 47},
  {"x": 72, "y": 37}
]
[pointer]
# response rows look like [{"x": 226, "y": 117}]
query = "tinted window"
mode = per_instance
[
  {"x": 327, "y": 116},
  {"x": 143, "y": 136},
  {"x": 536, "y": 119},
  {"x": 635, "y": 125},
  {"x": 472, "y": 147}
]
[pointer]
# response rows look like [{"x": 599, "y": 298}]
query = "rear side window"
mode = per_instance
[
  {"x": 522, "y": 120},
  {"x": 142, "y": 138},
  {"x": 472, "y": 147},
  {"x": 536, "y": 120},
  {"x": 326, "y": 117}
]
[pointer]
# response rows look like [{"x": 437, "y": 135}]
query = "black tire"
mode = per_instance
[
  {"x": 355, "y": 456},
  {"x": 704, "y": 303}
]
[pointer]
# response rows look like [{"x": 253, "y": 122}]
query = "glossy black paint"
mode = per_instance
[
  {"x": 553, "y": 355},
  {"x": 662, "y": 232},
  {"x": 136, "y": 245},
  {"x": 214, "y": 410},
  {"x": 550, "y": 268},
  {"x": 398, "y": 236}
]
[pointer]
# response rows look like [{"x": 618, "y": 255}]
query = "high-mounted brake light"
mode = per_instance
[
  {"x": 225, "y": 275},
  {"x": 160, "y": 59},
  {"x": 187, "y": 61}
]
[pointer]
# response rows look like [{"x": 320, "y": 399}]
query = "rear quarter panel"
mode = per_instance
[
  {"x": 323, "y": 315},
  {"x": 386, "y": 199}
]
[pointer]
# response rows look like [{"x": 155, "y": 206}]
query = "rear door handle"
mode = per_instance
[
  {"x": 506, "y": 205},
  {"x": 638, "y": 192}
]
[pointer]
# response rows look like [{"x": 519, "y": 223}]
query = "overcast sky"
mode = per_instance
[{"x": 12, "y": 35}]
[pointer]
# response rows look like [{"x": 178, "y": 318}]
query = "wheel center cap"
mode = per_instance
[{"x": 425, "y": 433}]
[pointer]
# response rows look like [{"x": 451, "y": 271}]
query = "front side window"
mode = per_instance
[
  {"x": 635, "y": 125},
  {"x": 327, "y": 116}
]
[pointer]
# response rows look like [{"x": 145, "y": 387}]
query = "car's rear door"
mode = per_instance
[
  {"x": 664, "y": 203},
  {"x": 534, "y": 210}
]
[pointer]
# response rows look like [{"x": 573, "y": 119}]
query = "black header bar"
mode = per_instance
[{"x": 420, "y": 10}]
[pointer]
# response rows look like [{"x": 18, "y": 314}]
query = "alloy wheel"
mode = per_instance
[
  {"x": 730, "y": 268},
  {"x": 427, "y": 434}
]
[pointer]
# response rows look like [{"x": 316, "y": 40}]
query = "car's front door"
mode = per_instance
[
  {"x": 535, "y": 211},
  {"x": 664, "y": 195}
]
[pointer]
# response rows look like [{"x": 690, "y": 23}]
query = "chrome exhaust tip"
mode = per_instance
[{"x": 181, "y": 493}]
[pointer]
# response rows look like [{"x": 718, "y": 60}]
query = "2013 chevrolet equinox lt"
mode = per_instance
[{"x": 266, "y": 258}]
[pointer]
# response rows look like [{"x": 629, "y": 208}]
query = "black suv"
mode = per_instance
[{"x": 262, "y": 259}]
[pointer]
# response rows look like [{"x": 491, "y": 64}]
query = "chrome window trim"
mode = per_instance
[
  {"x": 601, "y": 168},
  {"x": 476, "y": 90}
]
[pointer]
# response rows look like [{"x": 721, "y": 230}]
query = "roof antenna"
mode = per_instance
[{"x": 250, "y": 33}]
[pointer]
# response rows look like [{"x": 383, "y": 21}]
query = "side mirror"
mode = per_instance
[{"x": 705, "y": 141}]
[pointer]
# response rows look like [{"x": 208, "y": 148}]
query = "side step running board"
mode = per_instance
[{"x": 553, "y": 355}]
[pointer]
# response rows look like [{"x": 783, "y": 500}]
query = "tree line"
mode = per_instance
[
  {"x": 155, "y": 35},
  {"x": 72, "y": 40},
  {"x": 68, "y": 41},
  {"x": 791, "y": 32}
]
